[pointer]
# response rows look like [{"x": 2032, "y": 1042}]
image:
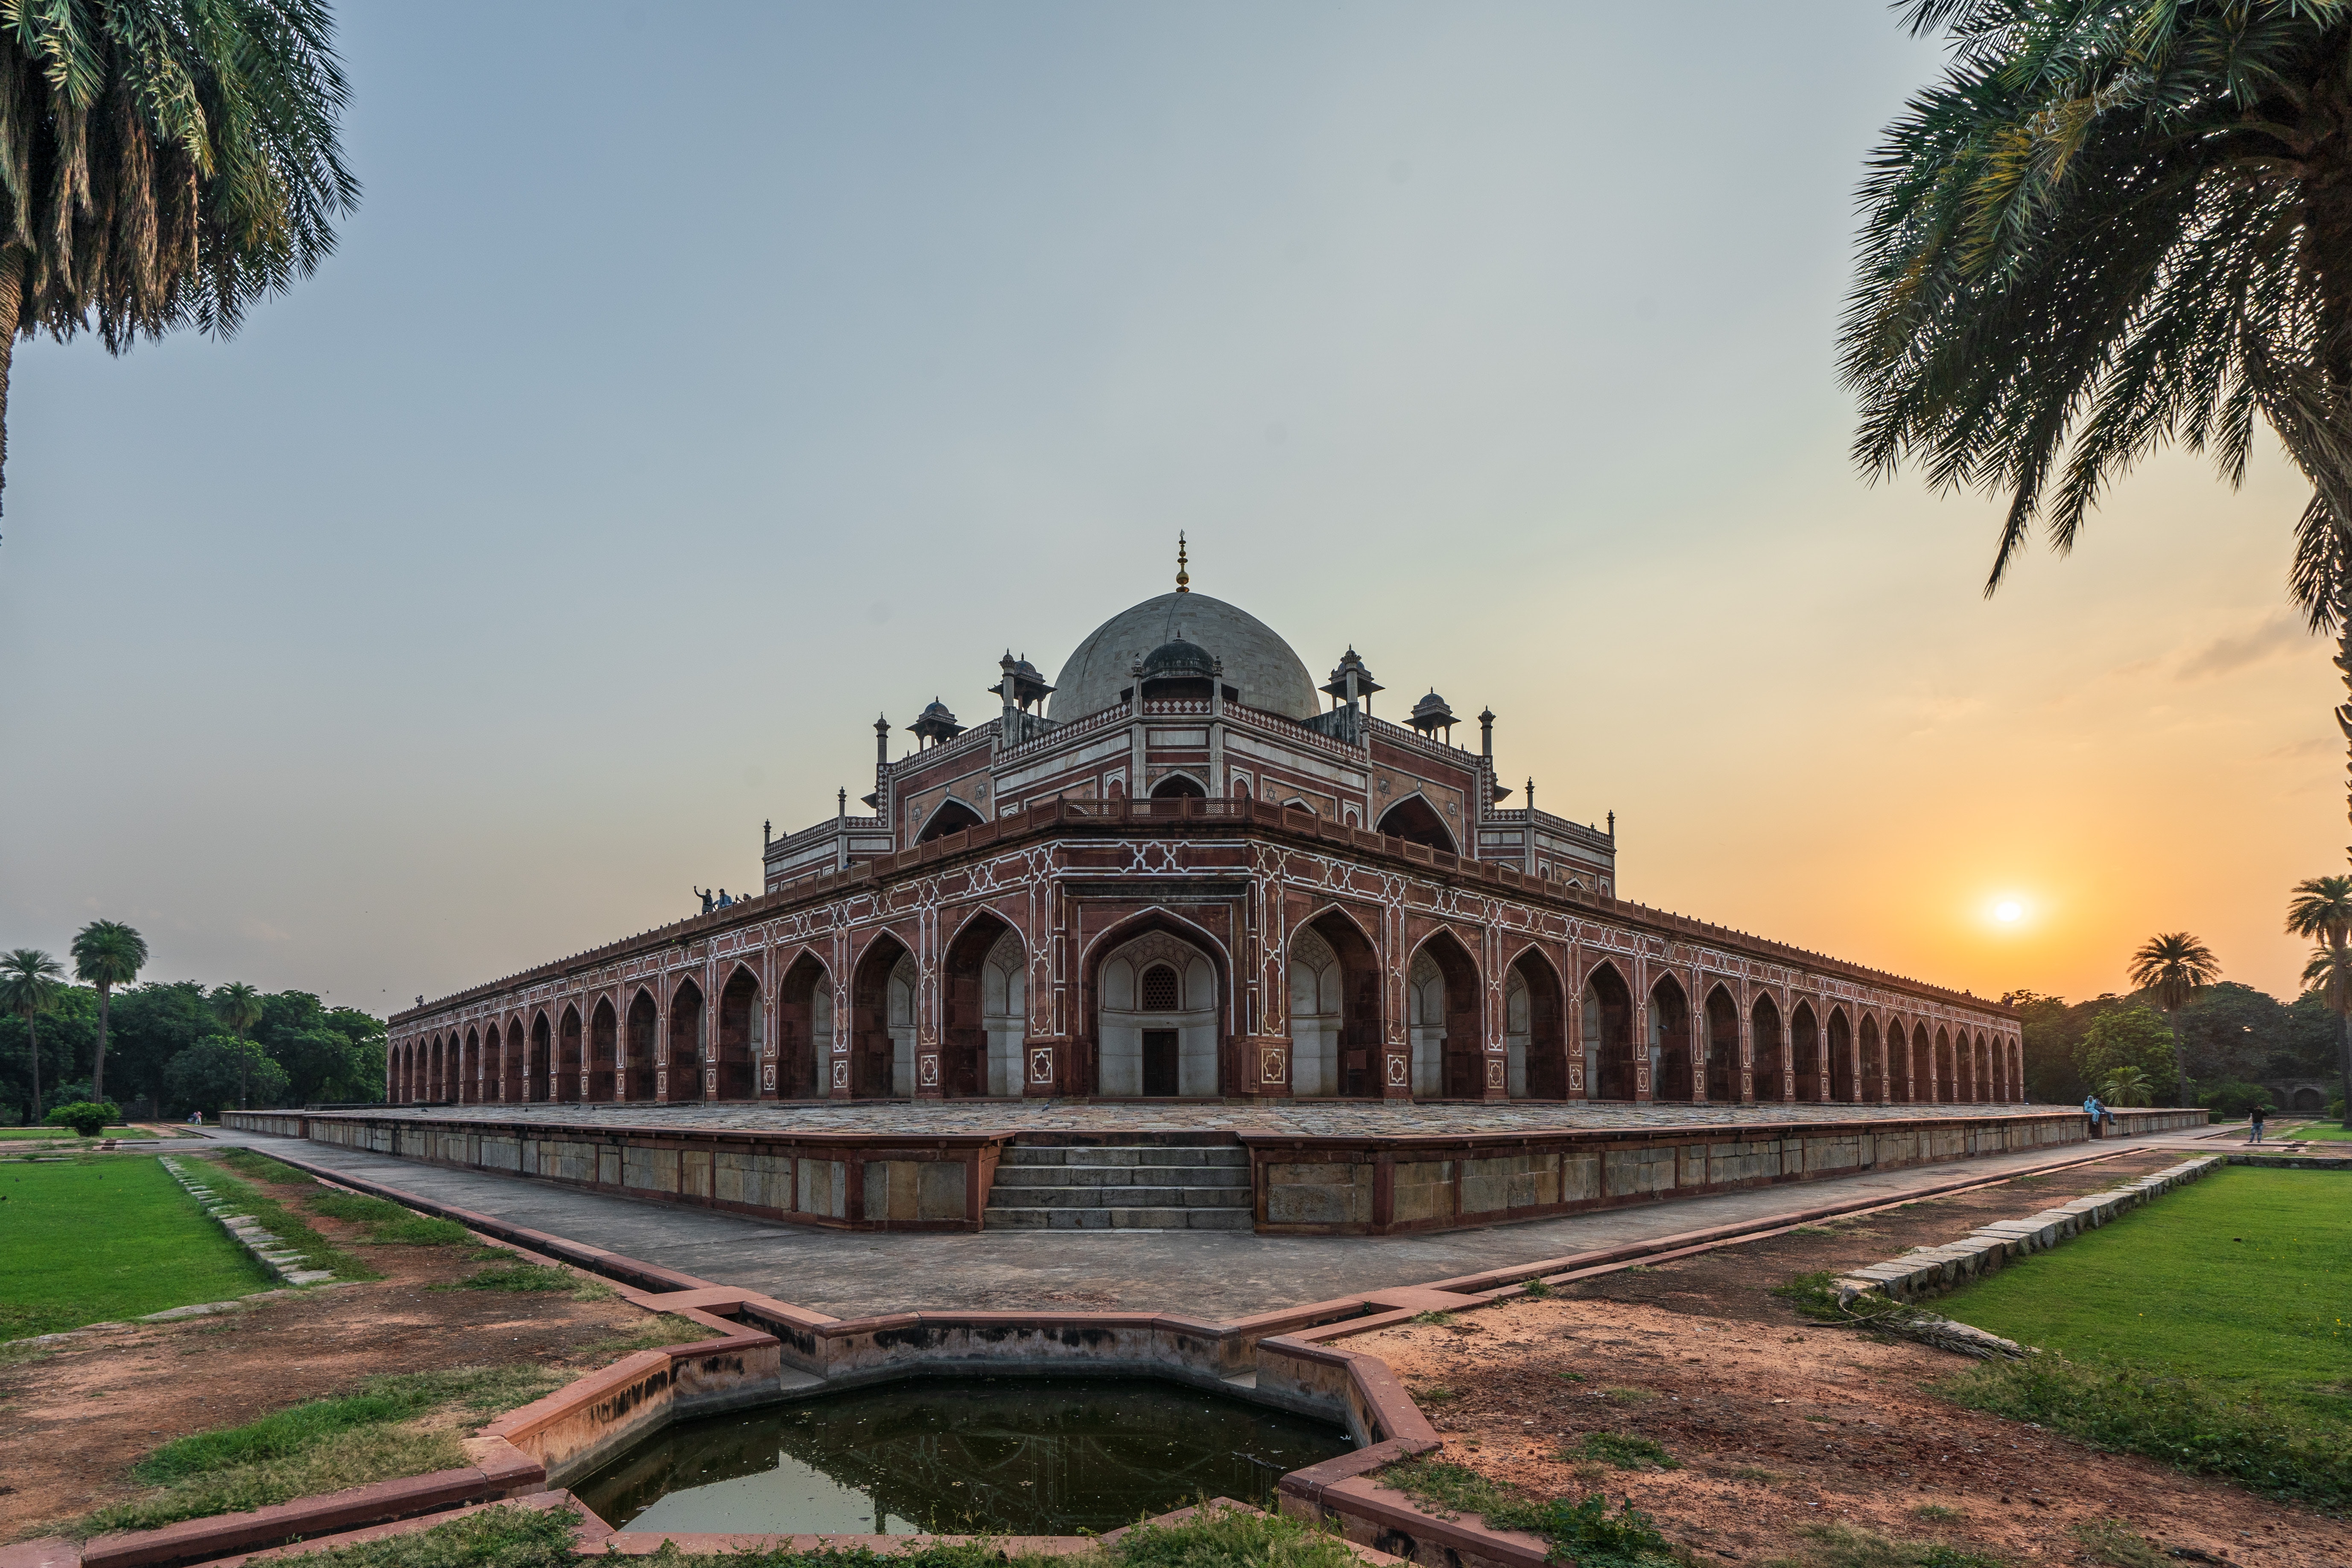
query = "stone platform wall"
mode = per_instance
[
  {"x": 1311, "y": 1185},
  {"x": 841, "y": 1181},
  {"x": 1379, "y": 1185}
]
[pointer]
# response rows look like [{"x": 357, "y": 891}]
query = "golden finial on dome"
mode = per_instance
[{"x": 1184, "y": 578}]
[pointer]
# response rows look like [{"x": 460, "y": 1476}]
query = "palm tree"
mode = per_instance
[
  {"x": 2321, "y": 910},
  {"x": 2175, "y": 966},
  {"x": 2112, "y": 226},
  {"x": 106, "y": 953},
  {"x": 29, "y": 979},
  {"x": 2124, "y": 1088},
  {"x": 239, "y": 1006},
  {"x": 163, "y": 164}
]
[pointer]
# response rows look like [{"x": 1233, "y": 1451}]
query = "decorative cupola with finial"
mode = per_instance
[
  {"x": 1351, "y": 681},
  {"x": 1430, "y": 714},
  {"x": 934, "y": 725},
  {"x": 1184, "y": 578},
  {"x": 1021, "y": 686}
]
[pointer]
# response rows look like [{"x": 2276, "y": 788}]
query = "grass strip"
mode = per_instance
[
  {"x": 294, "y": 1233},
  {"x": 513, "y": 1537},
  {"x": 1583, "y": 1531},
  {"x": 523, "y": 1277},
  {"x": 1621, "y": 1451},
  {"x": 106, "y": 1238},
  {"x": 262, "y": 1168},
  {"x": 389, "y": 1224},
  {"x": 1844, "y": 1546},
  {"x": 2281, "y": 1450},
  {"x": 322, "y": 1444}
]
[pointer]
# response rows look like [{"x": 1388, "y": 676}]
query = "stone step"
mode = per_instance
[
  {"x": 1121, "y": 1176},
  {"x": 1138, "y": 1197},
  {"x": 1219, "y": 1155},
  {"x": 1123, "y": 1218}
]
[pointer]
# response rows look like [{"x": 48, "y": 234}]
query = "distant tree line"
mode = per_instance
[
  {"x": 2233, "y": 1039},
  {"x": 170, "y": 1047}
]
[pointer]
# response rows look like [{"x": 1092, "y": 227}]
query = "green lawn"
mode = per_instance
[
  {"x": 66, "y": 1133},
  {"x": 2169, "y": 1287},
  {"x": 2309, "y": 1130},
  {"x": 107, "y": 1238}
]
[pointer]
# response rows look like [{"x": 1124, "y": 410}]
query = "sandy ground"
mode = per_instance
[
  {"x": 73, "y": 1422},
  {"x": 1781, "y": 1424}
]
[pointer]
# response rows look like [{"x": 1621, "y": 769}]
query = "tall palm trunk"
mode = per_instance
[
  {"x": 2337, "y": 937},
  {"x": 240, "y": 1070},
  {"x": 2179, "y": 1060},
  {"x": 33, "y": 1031},
  {"x": 2343, "y": 1026},
  {"x": 12, "y": 298},
  {"x": 97, "y": 1062}
]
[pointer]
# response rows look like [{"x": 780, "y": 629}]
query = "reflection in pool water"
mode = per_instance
[{"x": 1017, "y": 1456}]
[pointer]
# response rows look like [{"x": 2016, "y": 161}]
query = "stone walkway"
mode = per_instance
[
  {"x": 1217, "y": 1275},
  {"x": 1318, "y": 1119}
]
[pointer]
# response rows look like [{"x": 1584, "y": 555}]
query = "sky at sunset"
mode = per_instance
[{"x": 694, "y": 382}]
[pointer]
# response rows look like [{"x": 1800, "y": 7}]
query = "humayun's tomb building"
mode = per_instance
[{"x": 1185, "y": 870}]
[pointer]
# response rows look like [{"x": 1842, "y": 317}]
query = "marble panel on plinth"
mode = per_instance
[
  {"x": 1424, "y": 1190},
  {"x": 1320, "y": 1193},
  {"x": 823, "y": 1188}
]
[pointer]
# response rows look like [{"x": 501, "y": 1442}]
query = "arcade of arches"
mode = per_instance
[{"x": 1159, "y": 998}]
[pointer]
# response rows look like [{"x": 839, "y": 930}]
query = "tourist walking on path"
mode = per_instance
[{"x": 2256, "y": 1136}]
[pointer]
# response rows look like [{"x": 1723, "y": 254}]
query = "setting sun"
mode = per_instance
[{"x": 2008, "y": 909}]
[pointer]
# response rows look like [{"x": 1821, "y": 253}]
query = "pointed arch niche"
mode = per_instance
[
  {"x": 984, "y": 990},
  {"x": 1608, "y": 1006},
  {"x": 1157, "y": 1022},
  {"x": 1335, "y": 1009}
]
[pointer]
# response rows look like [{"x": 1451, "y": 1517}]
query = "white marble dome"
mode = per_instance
[{"x": 1259, "y": 664}]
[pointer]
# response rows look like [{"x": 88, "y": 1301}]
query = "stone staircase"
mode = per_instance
[{"x": 1121, "y": 1181}]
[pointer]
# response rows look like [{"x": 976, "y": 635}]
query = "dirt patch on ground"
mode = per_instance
[
  {"x": 73, "y": 1422},
  {"x": 1781, "y": 1424}
]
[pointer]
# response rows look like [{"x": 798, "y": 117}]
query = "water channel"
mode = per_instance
[{"x": 1014, "y": 1456}]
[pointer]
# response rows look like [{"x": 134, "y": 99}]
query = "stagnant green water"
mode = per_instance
[{"x": 1015, "y": 1456}]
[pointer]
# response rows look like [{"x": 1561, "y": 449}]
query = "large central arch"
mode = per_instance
[
  {"x": 1158, "y": 991},
  {"x": 1415, "y": 821}
]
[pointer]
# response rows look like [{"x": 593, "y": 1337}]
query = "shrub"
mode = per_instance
[
  {"x": 2233, "y": 1098},
  {"x": 87, "y": 1117}
]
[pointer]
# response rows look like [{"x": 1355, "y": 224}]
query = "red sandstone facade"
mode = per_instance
[{"x": 1201, "y": 884}]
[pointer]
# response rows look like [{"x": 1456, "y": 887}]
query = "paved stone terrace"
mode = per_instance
[
  {"x": 1214, "y": 1274},
  {"x": 1315, "y": 1119}
]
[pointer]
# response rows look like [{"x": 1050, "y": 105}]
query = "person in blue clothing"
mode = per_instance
[{"x": 2095, "y": 1111}]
